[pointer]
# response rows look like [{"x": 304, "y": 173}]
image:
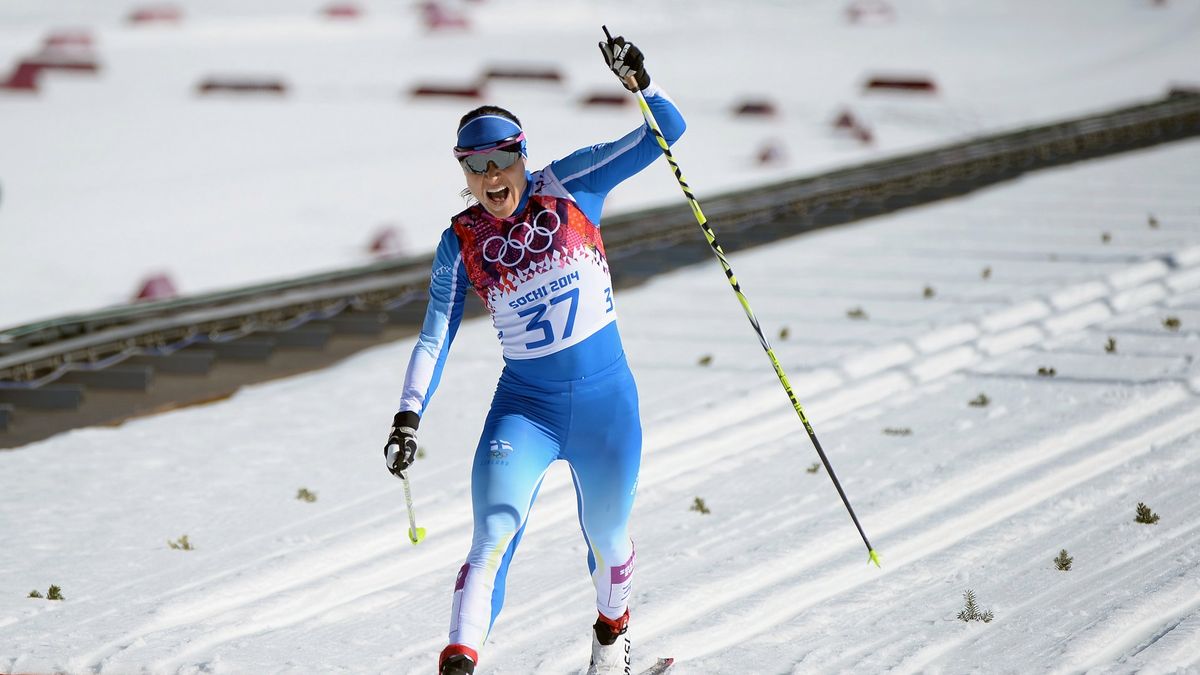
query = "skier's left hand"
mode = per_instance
[{"x": 625, "y": 60}]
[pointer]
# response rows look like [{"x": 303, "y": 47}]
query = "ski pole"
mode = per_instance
[
  {"x": 733, "y": 282},
  {"x": 415, "y": 534}
]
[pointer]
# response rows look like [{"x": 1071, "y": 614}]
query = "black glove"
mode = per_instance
[
  {"x": 401, "y": 447},
  {"x": 625, "y": 59}
]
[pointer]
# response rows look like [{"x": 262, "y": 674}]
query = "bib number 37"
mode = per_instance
[{"x": 538, "y": 322}]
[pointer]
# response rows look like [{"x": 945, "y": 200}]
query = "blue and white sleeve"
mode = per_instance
[
  {"x": 590, "y": 173},
  {"x": 447, "y": 293}
]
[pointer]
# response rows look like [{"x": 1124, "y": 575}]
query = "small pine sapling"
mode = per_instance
[
  {"x": 54, "y": 593},
  {"x": 971, "y": 611},
  {"x": 928, "y": 292},
  {"x": 1152, "y": 221},
  {"x": 1111, "y": 345},
  {"x": 706, "y": 360},
  {"x": 421, "y": 452},
  {"x": 35, "y": 593},
  {"x": 699, "y": 506},
  {"x": 305, "y": 495},
  {"x": 1145, "y": 515},
  {"x": 784, "y": 333},
  {"x": 1172, "y": 323},
  {"x": 180, "y": 544},
  {"x": 857, "y": 313},
  {"x": 815, "y": 467},
  {"x": 898, "y": 431},
  {"x": 1046, "y": 371},
  {"x": 1063, "y": 561},
  {"x": 979, "y": 401},
  {"x": 986, "y": 273},
  {"x": 1105, "y": 237}
]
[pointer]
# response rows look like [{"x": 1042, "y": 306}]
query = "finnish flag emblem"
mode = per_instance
[{"x": 499, "y": 449}]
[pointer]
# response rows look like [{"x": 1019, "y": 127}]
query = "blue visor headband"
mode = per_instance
[{"x": 489, "y": 131}]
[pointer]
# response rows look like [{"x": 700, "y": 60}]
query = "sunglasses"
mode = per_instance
[{"x": 503, "y": 156}]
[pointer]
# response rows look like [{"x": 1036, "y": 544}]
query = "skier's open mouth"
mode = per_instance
[{"x": 498, "y": 196}]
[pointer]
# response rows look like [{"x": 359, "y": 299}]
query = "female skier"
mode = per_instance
[{"x": 531, "y": 249}]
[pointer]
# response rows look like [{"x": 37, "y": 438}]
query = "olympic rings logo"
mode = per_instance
[{"x": 533, "y": 237}]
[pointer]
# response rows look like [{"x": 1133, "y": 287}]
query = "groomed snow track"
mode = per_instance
[
  {"x": 203, "y": 348},
  {"x": 1084, "y": 266}
]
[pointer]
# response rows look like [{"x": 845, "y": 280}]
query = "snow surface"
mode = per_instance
[
  {"x": 774, "y": 579},
  {"x": 109, "y": 179}
]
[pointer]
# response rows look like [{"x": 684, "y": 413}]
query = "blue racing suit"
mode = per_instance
[{"x": 565, "y": 391}]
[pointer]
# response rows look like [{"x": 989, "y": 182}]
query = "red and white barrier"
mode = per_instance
[
  {"x": 342, "y": 11},
  {"x": 908, "y": 84},
  {"x": 547, "y": 74},
  {"x": 156, "y": 287},
  {"x": 438, "y": 17},
  {"x": 68, "y": 40},
  {"x": 756, "y": 108},
  {"x": 771, "y": 153},
  {"x": 24, "y": 78},
  {"x": 76, "y": 63},
  {"x": 387, "y": 242},
  {"x": 269, "y": 86},
  {"x": 155, "y": 14},
  {"x": 466, "y": 91},
  {"x": 604, "y": 99},
  {"x": 846, "y": 123},
  {"x": 870, "y": 11}
]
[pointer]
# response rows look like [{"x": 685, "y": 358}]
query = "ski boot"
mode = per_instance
[
  {"x": 457, "y": 660},
  {"x": 611, "y": 646}
]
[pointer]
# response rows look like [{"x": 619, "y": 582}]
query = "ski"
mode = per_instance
[{"x": 662, "y": 666}]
